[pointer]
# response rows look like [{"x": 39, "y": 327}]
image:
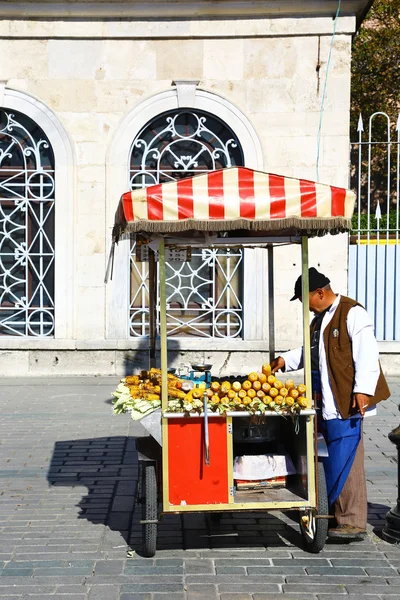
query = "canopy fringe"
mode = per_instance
[{"x": 299, "y": 226}]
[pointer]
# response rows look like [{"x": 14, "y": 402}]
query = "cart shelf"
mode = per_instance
[
  {"x": 268, "y": 495},
  {"x": 176, "y": 415}
]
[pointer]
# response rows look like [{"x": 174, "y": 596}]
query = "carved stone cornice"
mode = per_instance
[{"x": 155, "y": 9}]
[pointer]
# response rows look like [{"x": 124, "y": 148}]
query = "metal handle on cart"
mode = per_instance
[{"x": 206, "y": 439}]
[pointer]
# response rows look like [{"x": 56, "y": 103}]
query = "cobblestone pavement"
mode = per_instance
[{"x": 69, "y": 473}]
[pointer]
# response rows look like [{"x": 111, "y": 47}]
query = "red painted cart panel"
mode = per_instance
[{"x": 191, "y": 481}]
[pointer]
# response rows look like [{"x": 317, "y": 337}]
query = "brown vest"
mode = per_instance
[{"x": 339, "y": 358}]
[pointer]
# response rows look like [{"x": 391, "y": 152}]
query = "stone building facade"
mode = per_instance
[{"x": 91, "y": 85}]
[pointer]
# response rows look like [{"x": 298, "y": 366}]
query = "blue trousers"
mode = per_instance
[{"x": 342, "y": 437}]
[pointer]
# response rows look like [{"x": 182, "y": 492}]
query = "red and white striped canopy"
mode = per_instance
[{"x": 236, "y": 198}]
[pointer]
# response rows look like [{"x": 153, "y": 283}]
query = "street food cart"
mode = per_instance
[{"x": 187, "y": 466}]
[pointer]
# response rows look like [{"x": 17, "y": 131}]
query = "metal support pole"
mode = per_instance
[
  {"x": 312, "y": 466},
  {"x": 163, "y": 329},
  {"x": 152, "y": 307},
  {"x": 306, "y": 313},
  {"x": 271, "y": 307},
  {"x": 391, "y": 531}
]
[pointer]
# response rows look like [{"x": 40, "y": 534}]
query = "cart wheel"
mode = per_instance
[
  {"x": 314, "y": 530},
  {"x": 149, "y": 510}
]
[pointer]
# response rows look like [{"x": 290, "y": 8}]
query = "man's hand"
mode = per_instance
[
  {"x": 277, "y": 364},
  {"x": 360, "y": 401}
]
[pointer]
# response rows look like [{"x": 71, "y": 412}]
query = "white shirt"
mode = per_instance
[{"x": 365, "y": 355}]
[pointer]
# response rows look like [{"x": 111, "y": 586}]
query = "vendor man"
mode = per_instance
[{"x": 347, "y": 383}]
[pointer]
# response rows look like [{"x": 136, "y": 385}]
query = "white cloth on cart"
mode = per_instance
[{"x": 262, "y": 466}]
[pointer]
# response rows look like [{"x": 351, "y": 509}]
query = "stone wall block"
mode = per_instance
[
  {"x": 75, "y": 59},
  {"x": 278, "y": 58},
  {"x": 269, "y": 95},
  {"x": 129, "y": 60},
  {"x": 340, "y": 56},
  {"x": 121, "y": 96},
  {"x": 71, "y": 362},
  {"x": 13, "y": 362},
  {"x": 91, "y": 174},
  {"x": 91, "y": 153},
  {"x": 335, "y": 150},
  {"x": 91, "y": 197},
  {"x": 296, "y": 124},
  {"x": 286, "y": 151},
  {"x": 90, "y": 313},
  {"x": 23, "y": 59},
  {"x": 61, "y": 95},
  {"x": 223, "y": 59},
  {"x": 147, "y": 29},
  {"x": 91, "y": 270},
  {"x": 180, "y": 59},
  {"x": 235, "y": 91},
  {"x": 90, "y": 126},
  {"x": 90, "y": 232},
  {"x": 338, "y": 92}
]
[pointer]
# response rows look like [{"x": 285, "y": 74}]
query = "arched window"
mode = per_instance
[
  {"x": 204, "y": 296},
  {"x": 26, "y": 228}
]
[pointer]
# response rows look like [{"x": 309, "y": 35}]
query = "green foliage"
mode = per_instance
[
  {"x": 373, "y": 222},
  {"x": 375, "y": 82},
  {"x": 375, "y": 87}
]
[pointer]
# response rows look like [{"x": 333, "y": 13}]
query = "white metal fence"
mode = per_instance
[{"x": 374, "y": 243}]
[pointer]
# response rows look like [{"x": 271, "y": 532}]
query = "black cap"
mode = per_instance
[{"x": 316, "y": 280}]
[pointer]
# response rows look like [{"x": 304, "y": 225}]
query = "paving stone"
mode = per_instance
[
  {"x": 372, "y": 588},
  {"x": 202, "y": 592},
  {"x": 236, "y": 597},
  {"x": 104, "y": 592},
  {"x": 136, "y": 597},
  {"x": 380, "y": 572},
  {"x": 299, "y": 596},
  {"x": 343, "y": 571},
  {"x": 16, "y": 573},
  {"x": 162, "y": 586},
  {"x": 275, "y": 571},
  {"x": 366, "y": 595},
  {"x": 196, "y": 566},
  {"x": 60, "y": 572},
  {"x": 216, "y": 579},
  {"x": 71, "y": 589},
  {"x": 245, "y": 587},
  {"x": 244, "y": 561},
  {"x": 179, "y": 596},
  {"x": 21, "y": 591},
  {"x": 57, "y": 597},
  {"x": 231, "y": 570},
  {"x": 109, "y": 566},
  {"x": 169, "y": 562},
  {"x": 315, "y": 588}
]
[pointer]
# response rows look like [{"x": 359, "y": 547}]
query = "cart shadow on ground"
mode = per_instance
[{"x": 108, "y": 468}]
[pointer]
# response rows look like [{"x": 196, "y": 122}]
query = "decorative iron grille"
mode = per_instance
[
  {"x": 203, "y": 295},
  {"x": 26, "y": 228}
]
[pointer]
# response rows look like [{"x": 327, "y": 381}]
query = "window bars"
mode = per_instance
[{"x": 26, "y": 228}]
